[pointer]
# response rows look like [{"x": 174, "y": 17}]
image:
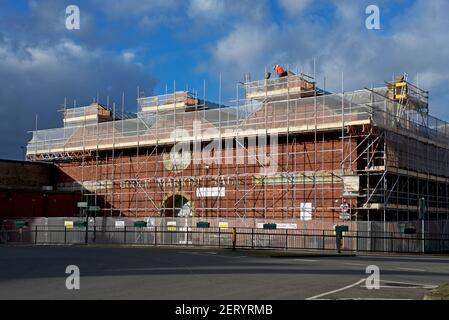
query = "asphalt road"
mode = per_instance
[{"x": 177, "y": 273}]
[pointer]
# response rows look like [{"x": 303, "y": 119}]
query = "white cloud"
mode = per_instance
[
  {"x": 294, "y": 7},
  {"x": 128, "y": 55},
  {"x": 205, "y": 8},
  {"x": 414, "y": 45},
  {"x": 242, "y": 51}
]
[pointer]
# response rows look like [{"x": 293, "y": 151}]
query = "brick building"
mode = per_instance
[
  {"x": 284, "y": 150},
  {"x": 28, "y": 189}
]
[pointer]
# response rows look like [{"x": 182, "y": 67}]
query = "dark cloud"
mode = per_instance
[{"x": 41, "y": 63}]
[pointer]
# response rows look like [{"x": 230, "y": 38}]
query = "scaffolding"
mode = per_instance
[{"x": 368, "y": 149}]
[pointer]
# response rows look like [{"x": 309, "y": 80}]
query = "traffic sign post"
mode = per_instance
[
  {"x": 339, "y": 236},
  {"x": 344, "y": 212},
  {"x": 82, "y": 205}
]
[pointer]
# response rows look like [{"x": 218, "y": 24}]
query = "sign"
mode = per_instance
[
  {"x": 140, "y": 224},
  {"x": 305, "y": 211},
  {"x": 341, "y": 228},
  {"x": 79, "y": 224},
  {"x": 210, "y": 192},
  {"x": 21, "y": 224},
  {"x": 176, "y": 182},
  {"x": 119, "y": 224},
  {"x": 351, "y": 184},
  {"x": 94, "y": 208},
  {"x": 171, "y": 225},
  {"x": 344, "y": 211},
  {"x": 280, "y": 226},
  {"x": 223, "y": 225},
  {"x": 269, "y": 226},
  {"x": 82, "y": 204},
  {"x": 202, "y": 224},
  {"x": 68, "y": 224}
]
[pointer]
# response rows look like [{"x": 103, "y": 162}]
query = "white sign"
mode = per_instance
[
  {"x": 120, "y": 224},
  {"x": 286, "y": 226},
  {"x": 280, "y": 225},
  {"x": 210, "y": 192},
  {"x": 351, "y": 183},
  {"x": 306, "y": 211}
]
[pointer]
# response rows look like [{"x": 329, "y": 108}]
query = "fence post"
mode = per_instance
[
  {"x": 95, "y": 234},
  {"x": 424, "y": 242},
  {"x": 219, "y": 237},
  {"x": 155, "y": 236},
  {"x": 286, "y": 239},
  {"x": 305, "y": 246},
  {"x": 124, "y": 235},
  {"x": 187, "y": 236},
  {"x": 252, "y": 238},
  {"x": 234, "y": 238},
  {"x": 357, "y": 241},
  {"x": 65, "y": 235},
  {"x": 35, "y": 234},
  {"x": 391, "y": 241}
]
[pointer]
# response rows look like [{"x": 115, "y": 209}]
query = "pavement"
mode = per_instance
[{"x": 38, "y": 272}]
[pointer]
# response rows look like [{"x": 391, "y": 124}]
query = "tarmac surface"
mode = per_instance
[{"x": 38, "y": 272}]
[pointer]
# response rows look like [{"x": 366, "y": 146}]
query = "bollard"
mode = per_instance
[
  {"x": 324, "y": 240},
  {"x": 252, "y": 238},
  {"x": 234, "y": 238},
  {"x": 155, "y": 236}
]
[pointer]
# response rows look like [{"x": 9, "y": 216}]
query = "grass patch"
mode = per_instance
[{"x": 440, "y": 293}]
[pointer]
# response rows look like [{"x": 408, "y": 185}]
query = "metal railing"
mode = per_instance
[{"x": 368, "y": 241}]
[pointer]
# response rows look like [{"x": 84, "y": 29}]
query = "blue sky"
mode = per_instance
[{"x": 151, "y": 44}]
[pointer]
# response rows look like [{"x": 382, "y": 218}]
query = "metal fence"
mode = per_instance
[{"x": 224, "y": 238}]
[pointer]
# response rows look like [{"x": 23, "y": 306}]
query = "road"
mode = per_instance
[{"x": 176, "y": 273}]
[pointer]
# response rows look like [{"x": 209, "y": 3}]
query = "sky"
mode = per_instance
[{"x": 159, "y": 45}]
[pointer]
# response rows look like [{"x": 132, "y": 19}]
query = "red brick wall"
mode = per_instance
[
  {"x": 16, "y": 203},
  {"x": 242, "y": 197}
]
